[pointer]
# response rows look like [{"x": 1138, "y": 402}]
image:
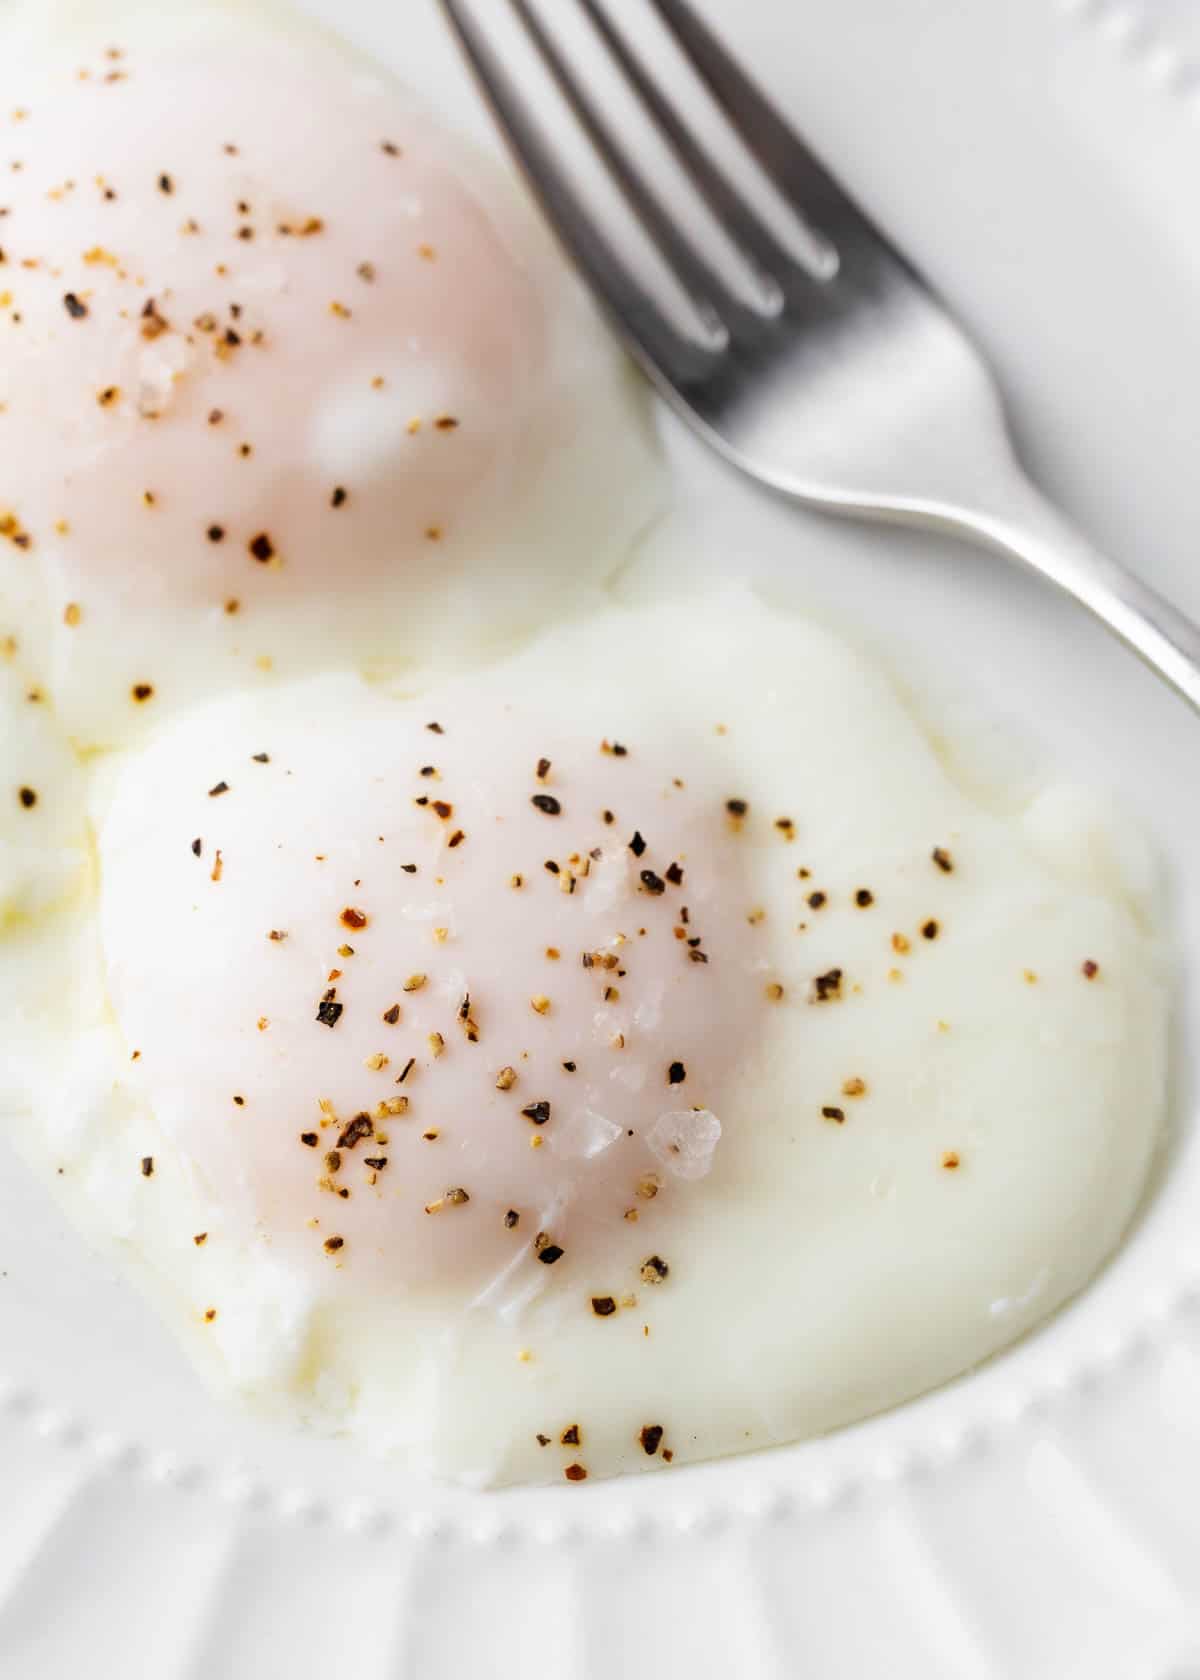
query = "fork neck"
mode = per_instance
[{"x": 1021, "y": 523}]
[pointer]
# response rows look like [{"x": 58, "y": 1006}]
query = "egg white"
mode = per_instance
[
  {"x": 415, "y": 407},
  {"x": 825, "y": 1268}
]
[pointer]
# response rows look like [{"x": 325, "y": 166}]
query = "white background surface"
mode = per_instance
[{"x": 1041, "y": 161}]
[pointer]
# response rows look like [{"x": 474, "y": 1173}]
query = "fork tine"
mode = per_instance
[
  {"x": 710, "y": 295},
  {"x": 665, "y": 354},
  {"x": 731, "y": 210},
  {"x": 778, "y": 149}
]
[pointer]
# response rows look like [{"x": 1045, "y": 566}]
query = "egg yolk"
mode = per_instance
[
  {"x": 432, "y": 998},
  {"x": 262, "y": 337}
]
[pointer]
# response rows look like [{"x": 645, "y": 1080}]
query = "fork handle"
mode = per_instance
[{"x": 1025, "y": 526}]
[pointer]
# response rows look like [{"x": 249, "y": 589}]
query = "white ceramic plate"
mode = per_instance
[{"x": 1037, "y": 1519}]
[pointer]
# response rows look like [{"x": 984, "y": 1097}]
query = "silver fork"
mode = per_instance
[{"x": 850, "y": 386}]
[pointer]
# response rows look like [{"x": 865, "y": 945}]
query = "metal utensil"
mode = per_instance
[{"x": 845, "y": 382}]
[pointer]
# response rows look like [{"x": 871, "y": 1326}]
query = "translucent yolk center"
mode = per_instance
[
  {"x": 247, "y": 348},
  {"x": 433, "y": 1002}
]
